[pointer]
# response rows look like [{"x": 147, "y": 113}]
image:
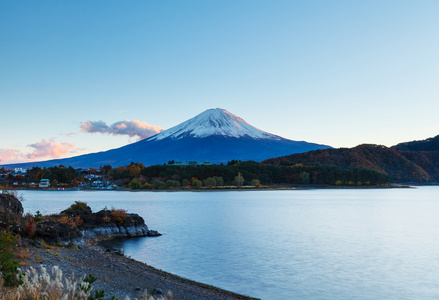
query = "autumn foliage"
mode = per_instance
[{"x": 119, "y": 215}]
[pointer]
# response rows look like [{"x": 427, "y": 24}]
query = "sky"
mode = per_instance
[{"x": 86, "y": 76}]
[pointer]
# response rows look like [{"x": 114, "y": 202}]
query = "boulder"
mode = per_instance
[
  {"x": 10, "y": 204},
  {"x": 153, "y": 233}
]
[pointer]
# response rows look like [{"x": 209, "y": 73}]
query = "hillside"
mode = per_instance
[
  {"x": 427, "y": 160},
  {"x": 431, "y": 144},
  {"x": 402, "y": 166}
]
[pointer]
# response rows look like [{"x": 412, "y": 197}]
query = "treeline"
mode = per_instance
[
  {"x": 249, "y": 173},
  {"x": 431, "y": 144},
  {"x": 54, "y": 174},
  {"x": 235, "y": 173}
]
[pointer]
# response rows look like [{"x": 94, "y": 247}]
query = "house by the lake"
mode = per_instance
[{"x": 44, "y": 183}]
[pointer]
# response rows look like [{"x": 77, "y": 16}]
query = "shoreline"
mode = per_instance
[
  {"x": 235, "y": 189},
  {"x": 118, "y": 275}
]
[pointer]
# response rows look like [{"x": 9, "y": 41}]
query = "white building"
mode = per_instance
[{"x": 44, "y": 183}]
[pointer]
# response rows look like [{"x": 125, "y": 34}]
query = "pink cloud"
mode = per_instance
[
  {"x": 43, "y": 149},
  {"x": 7, "y": 155},
  {"x": 71, "y": 133},
  {"x": 50, "y": 149},
  {"x": 136, "y": 128}
]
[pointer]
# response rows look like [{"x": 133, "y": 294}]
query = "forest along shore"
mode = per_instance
[{"x": 119, "y": 276}]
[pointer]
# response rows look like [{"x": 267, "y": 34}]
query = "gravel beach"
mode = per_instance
[{"x": 118, "y": 275}]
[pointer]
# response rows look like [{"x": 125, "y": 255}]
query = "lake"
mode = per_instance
[{"x": 298, "y": 244}]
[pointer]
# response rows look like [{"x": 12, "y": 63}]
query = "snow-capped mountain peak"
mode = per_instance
[
  {"x": 216, "y": 136},
  {"x": 214, "y": 122}
]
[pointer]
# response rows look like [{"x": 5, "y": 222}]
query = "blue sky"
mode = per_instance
[{"x": 340, "y": 73}]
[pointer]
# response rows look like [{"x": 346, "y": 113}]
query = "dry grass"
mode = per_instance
[
  {"x": 22, "y": 254},
  {"x": 39, "y": 284}
]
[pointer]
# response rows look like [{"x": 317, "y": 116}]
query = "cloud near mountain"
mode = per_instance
[
  {"x": 11, "y": 155},
  {"x": 50, "y": 149},
  {"x": 42, "y": 149},
  {"x": 133, "y": 128}
]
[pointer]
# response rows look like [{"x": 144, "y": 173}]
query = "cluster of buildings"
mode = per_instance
[{"x": 15, "y": 178}]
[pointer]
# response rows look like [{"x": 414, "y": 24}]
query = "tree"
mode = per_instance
[
  {"x": 133, "y": 169},
  {"x": 219, "y": 180},
  {"x": 196, "y": 184},
  {"x": 8, "y": 264},
  {"x": 106, "y": 169},
  {"x": 157, "y": 184},
  {"x": 146, "y": 186},
  {"x": 210, "y": 182},
  {"x": 256, "y": 183},
  {"x": 305, "y": 178},
  {"x": 135, "y": 184},
  {"x": 239, "y": 180},
  {"x": 172, "y": 184}
]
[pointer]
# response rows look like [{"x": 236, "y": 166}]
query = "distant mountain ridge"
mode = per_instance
[
  {"x": 215, "y": 135},
  {"x": 431, "y": 144},
  {"x": 401, "y": 162}
]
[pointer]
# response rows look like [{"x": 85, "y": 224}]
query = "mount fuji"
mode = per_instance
[{"x": 215, "y": 135}]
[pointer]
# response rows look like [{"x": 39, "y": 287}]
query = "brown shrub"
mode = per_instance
[
  {"x": 119, "y": 215},
  {"x": 30, "y": 228},
  {"x": 73, "y": 222},
  {"x": 78, "y": 205}
]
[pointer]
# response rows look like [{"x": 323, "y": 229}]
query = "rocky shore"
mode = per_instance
[
  {"x": 69, "y": 241},
  {"x": 118, "y": 275}
]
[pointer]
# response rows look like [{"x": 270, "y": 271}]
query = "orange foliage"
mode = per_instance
[
  {"x": 73, "y": 222},
  {"x": 119, "y": 215}
]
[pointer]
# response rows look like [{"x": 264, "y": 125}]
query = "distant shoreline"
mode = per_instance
[{"x": 235, "y": 189}]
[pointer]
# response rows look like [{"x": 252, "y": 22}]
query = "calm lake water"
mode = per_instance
[{"x": 307, "y": 244}]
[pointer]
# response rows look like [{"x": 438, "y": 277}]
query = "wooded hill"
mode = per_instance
[
  {"x": 431, "y": 144},
  {"x": 407, "y": 162}
]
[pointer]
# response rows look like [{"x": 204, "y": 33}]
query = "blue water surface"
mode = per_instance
[{"x": 299, "y": 244}]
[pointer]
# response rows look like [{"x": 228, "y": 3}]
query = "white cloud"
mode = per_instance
[{"x": 136, "y": 128}]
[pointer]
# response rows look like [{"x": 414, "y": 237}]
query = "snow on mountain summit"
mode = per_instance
[
  {"x": 216, "y": 136},
  {"x": 214, "y": 122}
]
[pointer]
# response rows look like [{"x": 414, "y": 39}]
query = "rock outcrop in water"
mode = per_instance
[
  {"x": 78, "y": 222},
  {"x": 71, "y": 225}
]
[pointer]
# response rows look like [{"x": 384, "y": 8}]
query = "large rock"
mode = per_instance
[
  {"x": 105, "y": 223},
  {"x": 11, "y": 211},
  {"x": 116, "y": 231},
  {"x": 54, "y": 231},
  {"x": 10, "y": 204}
]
